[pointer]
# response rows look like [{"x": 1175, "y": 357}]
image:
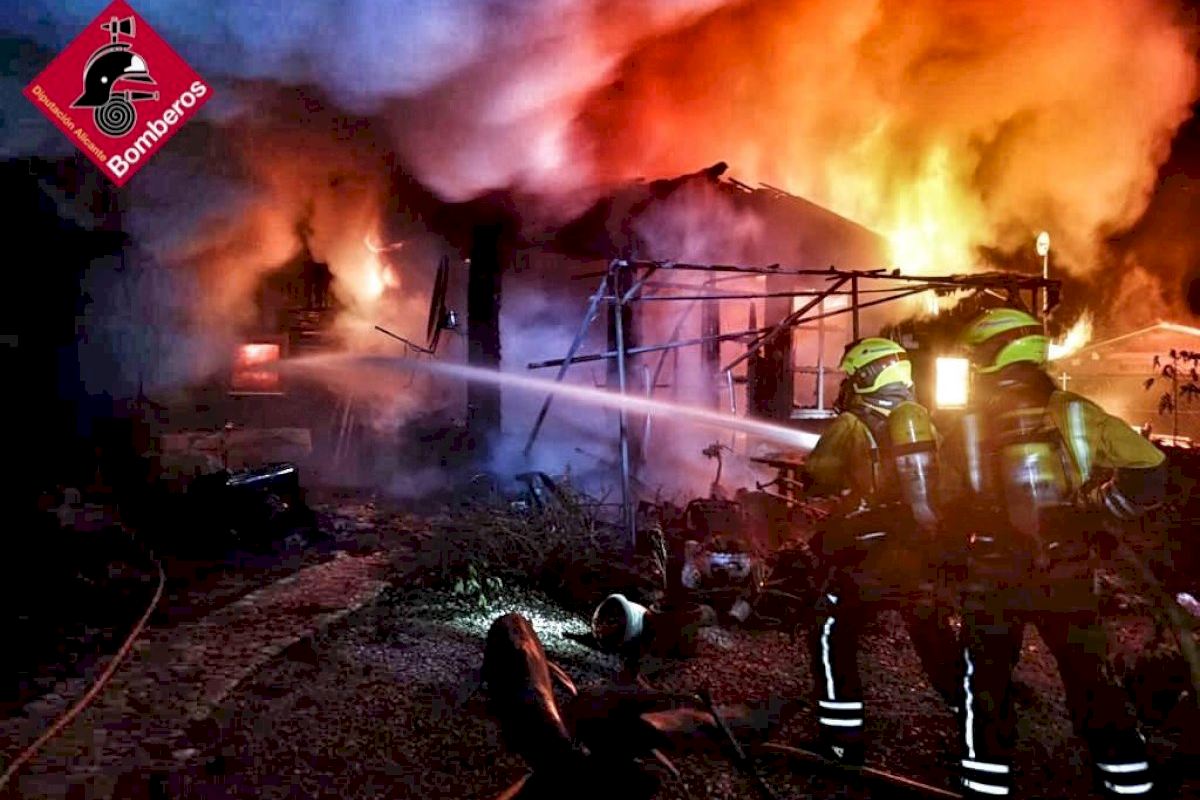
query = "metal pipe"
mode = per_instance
[
  {"x": 400, "y": 338},
  {"x": 662, "y": 360},
  {"x": 764, "y": 295},
  {"x": 821, "y": 358},
  {"x": 882, "y": 273},
  {"x": 1045, "y": 277},
  {"x": 732, "y": 406},
  {"x": 854, "y": 304},
  {"x": 589, "y": 317},
  {"x": 723, "y": 337},
  {"x": 786, "y": 322},
  {"x": 710, "y": 351},
  {"x": 626, "y": 492},
  {"x": 651, "y": 348},
  {"x": 637, "y": 285},
  {"x": 649, "y": 394}
]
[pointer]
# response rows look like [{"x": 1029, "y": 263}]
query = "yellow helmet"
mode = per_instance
[
  {"x": 873, "y": 363},
  {"x": 1002, "y": 336}
]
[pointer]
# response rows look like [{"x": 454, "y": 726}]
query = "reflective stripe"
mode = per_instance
[
  {"x": 867, "y": 536},
  {"x": 874, "y": 458},
  {"x": 825, "y": 631},
  {"x": 840, "y": 723},
  {"x": 840, "y": 706},
  {"x": 1140, "y": 788},
  {"x": 832, "y": 598},
  {"x": 969, "y": 733},
  {"x": 985, "y": 766},
  {"x": 986, "y": 788},
  {"x": 974, "y": 460},
  {"x": 1078, "y": 434},
  {"x": 1113, "y": 497},
  {"x": 1130, "y": 767}
]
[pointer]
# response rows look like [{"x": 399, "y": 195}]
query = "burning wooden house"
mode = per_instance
[
  {"x": 681, "y": 328},
  {"x": 1117, "y": 373}
]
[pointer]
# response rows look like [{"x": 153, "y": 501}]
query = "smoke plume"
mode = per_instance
[
  {"x": 949, "y": 128},
  {"x": 946, "y": 127}
]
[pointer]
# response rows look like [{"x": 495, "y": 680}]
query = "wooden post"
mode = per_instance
[{"x": 484, "y": 284}]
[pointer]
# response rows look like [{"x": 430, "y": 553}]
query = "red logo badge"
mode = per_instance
[{"x": 119, "y": 91}]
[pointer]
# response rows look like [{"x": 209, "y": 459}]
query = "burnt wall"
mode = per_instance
[
  {"x": 489, "y": 245},
  {"x": 51, "y": 417}
]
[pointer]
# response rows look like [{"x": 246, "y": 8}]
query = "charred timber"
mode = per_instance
[{"x": 484, "y": 283}]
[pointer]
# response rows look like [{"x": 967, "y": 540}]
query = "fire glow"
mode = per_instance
[
  {"x": 946, "y": 127},
  {"x": 1074, "y": 340},
  {"x": 253, "y": 371}
]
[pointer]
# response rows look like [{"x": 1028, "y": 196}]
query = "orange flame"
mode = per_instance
[
  {"x": 943, "y": 126},
  {"x": 1074, "y": 340}
]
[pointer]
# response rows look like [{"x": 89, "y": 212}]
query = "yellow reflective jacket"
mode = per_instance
[
  {"x": 843, "y": 458},
  {"x": 1093, "y": 441},
  {"x": 847, "y": 457},
  {"x": 1096, "y": 440}
]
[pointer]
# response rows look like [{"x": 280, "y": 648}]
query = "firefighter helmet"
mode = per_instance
[
  {"x": 1002, "y": 336},
  {"x": 873, "y": 363},
  {"x": 107, "y": 66}
]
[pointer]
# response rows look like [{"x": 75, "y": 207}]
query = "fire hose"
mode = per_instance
[
  {"x": 96, "y": 688},
  {"x": 891, "y": 780},
  {"x": 882, "y": 777},
  {"x": 740, "y": 758}
]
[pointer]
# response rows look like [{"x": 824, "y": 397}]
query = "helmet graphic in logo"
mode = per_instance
[{"x": 113, "y": 108}]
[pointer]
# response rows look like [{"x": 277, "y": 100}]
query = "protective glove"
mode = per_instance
[{"x": 1106, "y": 498}]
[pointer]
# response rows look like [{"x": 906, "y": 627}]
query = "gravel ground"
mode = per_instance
[{"x": 383, "y": 706}]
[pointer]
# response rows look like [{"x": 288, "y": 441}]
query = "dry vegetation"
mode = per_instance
[{"x": 563, "y": 548}]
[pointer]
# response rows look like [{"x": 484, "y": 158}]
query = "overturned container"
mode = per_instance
[{"x": 617, "y": 622}]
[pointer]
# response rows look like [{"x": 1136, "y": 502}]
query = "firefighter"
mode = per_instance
[
  {"x": 879, "y": 459},
  {"x": 1044, "y": 476}
]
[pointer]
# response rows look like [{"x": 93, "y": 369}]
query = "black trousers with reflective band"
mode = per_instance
[
  {"x": 992, "y": 634},
  {"x": 843, "y": 612}
]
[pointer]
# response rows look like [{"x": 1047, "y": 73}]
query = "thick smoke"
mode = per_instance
[
  {"x": 945, "y": 126},
  {"x": 1004, "y": 118}
]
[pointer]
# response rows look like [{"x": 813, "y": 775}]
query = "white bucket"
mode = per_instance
[{"x": 628, "y": 616}]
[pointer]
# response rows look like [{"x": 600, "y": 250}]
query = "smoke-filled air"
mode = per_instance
[{"x": 957, "y": 130}]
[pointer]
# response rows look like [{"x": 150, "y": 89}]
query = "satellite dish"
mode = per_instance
[
  {"x": 1043, "y": 243},
  {"x": 440, "y": 317}
]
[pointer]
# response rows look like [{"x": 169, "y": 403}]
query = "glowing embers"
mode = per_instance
[
  {"x": 254, "y": 368},
  {"x": 953, "y": 382}
]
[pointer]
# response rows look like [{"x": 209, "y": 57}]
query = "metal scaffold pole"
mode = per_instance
[
  {"x": 854, "y": 306},
  {"x": 630, "y": 518},
  {"x": 593, "y": 307}
]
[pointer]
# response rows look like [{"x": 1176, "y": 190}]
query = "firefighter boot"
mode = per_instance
[
  {"x": 843, "y": 745},
  {"x": 840, "y": 618},
  {"x": 984, "y": 777},
  {"x": 1122, "y": 769}
]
